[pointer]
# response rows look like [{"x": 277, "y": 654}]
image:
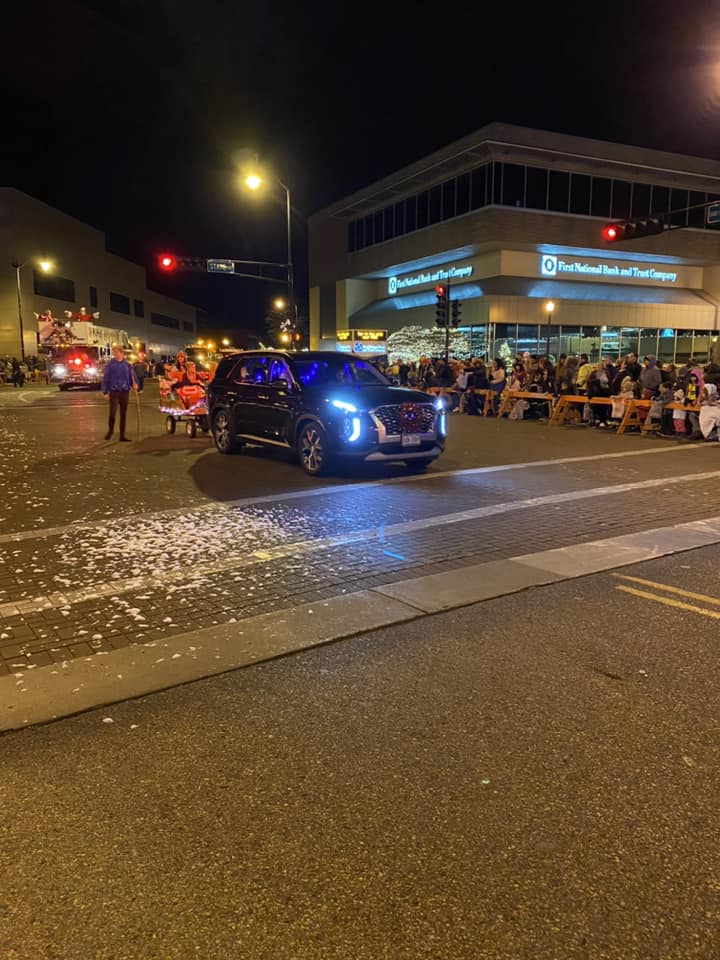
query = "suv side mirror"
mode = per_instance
[{"x": 281, "y": 383}]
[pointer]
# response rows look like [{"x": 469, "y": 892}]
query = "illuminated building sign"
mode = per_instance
[
  {"x": 361, "y": 341},
  {"x": 395, "y": 284},
  {"x": 371, "y": 335},
  {"x": 552, "y": 266}
]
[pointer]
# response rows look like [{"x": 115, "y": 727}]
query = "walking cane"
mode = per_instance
[{"x": 137, "y": 405}]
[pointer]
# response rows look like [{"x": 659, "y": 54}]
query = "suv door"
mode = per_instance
[
  {"x": 249, "y": 387},
  {"x": 276, "y": 414}
]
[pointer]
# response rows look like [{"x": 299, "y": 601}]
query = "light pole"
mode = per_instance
[
  {"x": 549, "y": 310},
  {"x": 254, "y": 182},
  {"x": 46, "y": 267}
]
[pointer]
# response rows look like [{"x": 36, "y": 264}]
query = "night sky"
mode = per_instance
[{"x": 129, "y": 114}]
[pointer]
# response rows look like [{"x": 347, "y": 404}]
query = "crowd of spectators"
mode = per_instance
[{"x": 691, "y": 388}]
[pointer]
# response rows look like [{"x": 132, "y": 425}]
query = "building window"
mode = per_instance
[
  {"x": 93, "y": 297},
  {"x": 462, "y": 194},
  {"x": 678, "y": 203},
  {"x": 187, "y": 326},
  {"x": 559, "y": 191},
  {"x": 621, "y": 191},
  {"x": 496, "y": 169},
  {"x": 160, "y": 320},
  {"x": 513, "y": 185},
  {"x": 388, "y": 223},
  {"x": 660, "y": 200},
  {"x": 478, "y": 187},
  {"x": 448, "y": 199},
  {"x": 359, "y": 234},
  {"x": 369, "y": 232},
  {"x": 641, "y": 193},
  {"x": 378, "y": 221},
  {"x": 580, "y": 194},
  {"x": 600, "y": 199},
  {"x": 53, "y": 287},
  {"x": 119, "y": 303},
  {"x": 422, "y": 209},
  {"x": 536, "y": 188},
  {"x": 696, "y": 216},
  {"x": 351, "y": 236},
  {"x": 399, "y": 218},
  {"x": 138, "y": 308},
  {"x": 435, "y": 205},
  {"x": 410, "y": 214}
]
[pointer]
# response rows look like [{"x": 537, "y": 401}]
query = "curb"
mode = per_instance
[{"x": 62, "y": 690}]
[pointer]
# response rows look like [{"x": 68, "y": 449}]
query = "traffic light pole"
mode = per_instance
[{"x": 447, "y": 325}]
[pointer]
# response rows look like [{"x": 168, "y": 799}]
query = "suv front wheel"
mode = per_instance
[
  {"x": 313, "y": 450},
  {"x": 222, "y": 433}
]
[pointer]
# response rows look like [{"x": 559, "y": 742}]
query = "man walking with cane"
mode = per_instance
[{"x": 117, "y": 382}]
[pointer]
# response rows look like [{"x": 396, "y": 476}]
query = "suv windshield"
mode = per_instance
[{"x": 339, "y": 369}]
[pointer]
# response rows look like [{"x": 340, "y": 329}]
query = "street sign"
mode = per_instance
[
  {"x": 712, "y": 213},
  {"x": 221, "y": 266}
]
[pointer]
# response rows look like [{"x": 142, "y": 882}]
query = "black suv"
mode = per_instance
[{"x": 324, "y": 406}]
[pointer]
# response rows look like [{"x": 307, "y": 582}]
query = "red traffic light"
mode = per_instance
[
  {"x": 166, "y": 261},
  {"x": 610, "y": 232},
  {"x": 440, "y": 290}
]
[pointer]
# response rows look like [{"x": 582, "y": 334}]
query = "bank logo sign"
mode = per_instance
[
  {"x": 551, "y": 266},
  {"x": 396, "y": 284},
  {"x": 548, "y": 266}
]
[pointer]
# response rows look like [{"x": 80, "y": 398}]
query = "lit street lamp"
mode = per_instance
[
  {"x": 253, "y": 181},
  {"x": 225, "y": 342},
  {"x": 46, "y": 266},
  {"x": 549, "y": 309}
]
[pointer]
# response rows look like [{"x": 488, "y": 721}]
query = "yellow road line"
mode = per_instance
[
  {"x": 668, "y": 602},
  {"x": 668, "y": 589}
]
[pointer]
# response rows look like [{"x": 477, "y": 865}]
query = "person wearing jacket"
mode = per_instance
[
  {"x": 709, "y": 412},
  {"x": 118, "y": 380},
  {"x": 650, "y": 378}
]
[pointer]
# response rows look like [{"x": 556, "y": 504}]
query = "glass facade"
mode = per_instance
[
  {"x": 531, "y": 188},
  {"x": 669, "y": 346}
]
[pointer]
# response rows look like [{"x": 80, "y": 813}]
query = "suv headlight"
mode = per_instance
[{"x": 351, "y": 429}]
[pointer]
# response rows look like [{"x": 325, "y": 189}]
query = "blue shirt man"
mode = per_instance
[{"x": 117, "y": 381}]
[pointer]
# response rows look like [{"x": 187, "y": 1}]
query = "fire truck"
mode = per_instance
[{"x": 77, "y": 348}]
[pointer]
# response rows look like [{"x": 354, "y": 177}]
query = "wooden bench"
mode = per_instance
[
  {"x": 649, "y": 427},
  {"x": 564, "y": 410},
  {"x": 510, "y": 396}
]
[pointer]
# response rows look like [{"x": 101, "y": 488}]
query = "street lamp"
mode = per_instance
[
  {"x": 225, "y": 342},
  {"x": 279, "y": 303},
  {"x": 549, "y": 308},
  {"x": 46, "y": 266},
  {"x": 254, "y": 181}
]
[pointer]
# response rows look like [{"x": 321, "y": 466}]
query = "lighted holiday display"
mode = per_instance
[{"x": 411, "y": 343}]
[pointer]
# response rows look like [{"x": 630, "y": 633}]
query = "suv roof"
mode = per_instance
[{"x": 304, "y": 355}]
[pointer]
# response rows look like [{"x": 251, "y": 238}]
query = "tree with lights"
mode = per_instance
[{"x": 411, "y": 343}]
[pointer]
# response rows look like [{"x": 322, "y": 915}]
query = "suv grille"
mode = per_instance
[{"x": 406, "y": 418}]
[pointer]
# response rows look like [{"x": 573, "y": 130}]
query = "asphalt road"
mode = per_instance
[{"x": 533, "y": 778}]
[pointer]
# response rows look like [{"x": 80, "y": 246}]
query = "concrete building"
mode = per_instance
[
  {"x": 84, "y": 274},
  {"x": 513, "y": 218}
]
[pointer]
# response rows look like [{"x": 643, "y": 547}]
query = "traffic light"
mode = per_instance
[
  {"x": 633, "y": 229},
  {"x": 169, "y": 263},
  {"x": 441, "y": 308},
  {"x": 456, "y": 309}
]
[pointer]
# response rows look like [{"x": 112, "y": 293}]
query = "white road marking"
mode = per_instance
[
  {"x": 304, "y": 547},
  {"x": 326, "y": 491}
]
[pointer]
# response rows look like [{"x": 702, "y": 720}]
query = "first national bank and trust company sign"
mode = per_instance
[
  {"x": 552, "y": 266},
  {"x": 395, "y": 284}
]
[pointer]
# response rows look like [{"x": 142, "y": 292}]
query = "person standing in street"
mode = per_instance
[
  {"x": 117, "y": 381},
  {"x": 140, "y": 369}
]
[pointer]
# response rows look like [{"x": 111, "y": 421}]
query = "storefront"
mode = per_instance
[
  {"x": 511, "y": 219},
  {"x": 552, "y": 303}
]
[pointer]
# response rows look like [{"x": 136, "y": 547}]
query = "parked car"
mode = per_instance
[{"x": 327, "y": 407}]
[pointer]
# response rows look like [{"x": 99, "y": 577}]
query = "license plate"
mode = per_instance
[{"x": 411, "y": 440}]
